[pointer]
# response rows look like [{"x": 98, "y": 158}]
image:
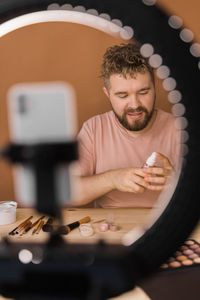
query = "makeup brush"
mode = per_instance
[
  {"x": 33, "y": 224},
  {"x": 21, "y": 225},
  {"x": 29, "y": 223},
  {"x": 65, "y": 229},
  {"x": 37, "y": 226},
  {"x": 40, "y": 227}
]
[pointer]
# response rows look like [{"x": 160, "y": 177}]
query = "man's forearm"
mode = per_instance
[
  {"x": 92, "y": 187},
  {"x": 89, "y": 188}
]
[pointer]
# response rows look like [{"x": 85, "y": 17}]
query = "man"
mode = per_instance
[{"x": 115, "y": 145}]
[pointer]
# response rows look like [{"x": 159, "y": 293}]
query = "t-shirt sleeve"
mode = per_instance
[{"x": 85, "y": 138}]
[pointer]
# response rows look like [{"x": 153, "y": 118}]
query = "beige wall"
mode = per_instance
[
  {"x": 187, "y": 10},
  {"x": 68, "y": 52}
]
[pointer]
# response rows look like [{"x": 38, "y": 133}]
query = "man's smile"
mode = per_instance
[{"x": 135, "y": 115}]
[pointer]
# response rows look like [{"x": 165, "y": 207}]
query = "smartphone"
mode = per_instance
[{"x": 43, "y": 112}]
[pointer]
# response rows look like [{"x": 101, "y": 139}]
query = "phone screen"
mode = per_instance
[{"x": 41, "y": 113}]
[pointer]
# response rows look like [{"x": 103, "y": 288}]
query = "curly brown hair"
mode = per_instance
[{"x": 124, "y": 59}]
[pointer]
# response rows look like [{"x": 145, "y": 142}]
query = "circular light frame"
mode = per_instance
[{"x": 181, "y": 213}]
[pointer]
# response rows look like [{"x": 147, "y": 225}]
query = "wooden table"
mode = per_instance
[{"x": 127, "y": 219}]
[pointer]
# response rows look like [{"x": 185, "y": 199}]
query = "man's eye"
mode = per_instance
[
  {"x": 122, "y": 96},
  {"x": 143, "y": 93}
]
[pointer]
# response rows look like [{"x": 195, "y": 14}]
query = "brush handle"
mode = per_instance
[
  {"x": 23, "y": 229},
  {"x": 76, "y": 224},
  {"x": 85, "y": 220},
  {"x": 34, "y": 224},
  {"x": 20, "y": 226},
  {"x": 39, "y": 227}
]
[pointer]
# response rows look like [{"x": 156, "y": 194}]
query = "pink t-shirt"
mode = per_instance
[{"x": 104, "y": 145}]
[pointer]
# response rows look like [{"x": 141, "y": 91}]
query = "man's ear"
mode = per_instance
[{"x": 105, "y": 91}]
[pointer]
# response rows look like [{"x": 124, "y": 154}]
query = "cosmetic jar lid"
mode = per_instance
[{"x": 7, "y": 212}]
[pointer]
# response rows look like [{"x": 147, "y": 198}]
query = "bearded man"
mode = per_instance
[{"x": 114, "y": 146}]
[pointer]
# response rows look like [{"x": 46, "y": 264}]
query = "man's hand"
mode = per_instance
[
  {"x": 95, "y": 186},
  {"x": 134, "y": 180},
  {"x": 157, "y": 176},
  {"x": 129, "y": 180}
]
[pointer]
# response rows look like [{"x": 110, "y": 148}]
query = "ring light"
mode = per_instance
[{"x": 172, "y": 50}]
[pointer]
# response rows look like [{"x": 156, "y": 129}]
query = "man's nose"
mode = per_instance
[{"x": 134, "y": 102}]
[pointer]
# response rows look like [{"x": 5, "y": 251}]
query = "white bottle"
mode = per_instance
[{"x": 150, "y": 162}]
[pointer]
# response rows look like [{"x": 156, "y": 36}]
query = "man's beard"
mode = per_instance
[{"x": 137, "y": 125}]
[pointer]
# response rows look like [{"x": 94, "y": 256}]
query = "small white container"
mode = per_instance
[
  {"x": 7, "y": 212},
  {"x": 150, "y": 162}
]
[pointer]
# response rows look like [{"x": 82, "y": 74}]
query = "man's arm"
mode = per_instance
[
  {"x": 95, "y": 186},
  {"x": 134, "y": 180}
]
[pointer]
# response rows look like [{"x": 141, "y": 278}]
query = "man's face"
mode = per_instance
[{"x": 132, "y": 99}]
